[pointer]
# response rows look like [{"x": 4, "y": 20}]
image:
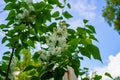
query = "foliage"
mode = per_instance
[
  {"x": 32, "y": 23},
  {"x": 111, "y": 13},
  {"x": 108, "y": 75},
  {"x": 117, "y": 78}
]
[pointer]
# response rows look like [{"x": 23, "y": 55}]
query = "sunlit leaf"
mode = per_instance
[
  {"x": 108, "y": 75},
  {"x": 94, "y": 51},
  {"x": 85, "y": 52},
  {"x": 74, "y": 42},
  {"x": 9, "y": 6},
  {"x": 30, "y": 67},
  {"x": 91, "y": 28},
  {"x": 67, "y": 15},
  {"x": 11, "y": 15},
  {"x": 56, "y": 14}
]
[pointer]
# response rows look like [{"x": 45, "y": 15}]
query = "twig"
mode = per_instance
[{"x": 8, "y": 69}]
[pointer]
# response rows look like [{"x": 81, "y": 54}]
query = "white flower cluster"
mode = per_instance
[
  {"x": 56, "y": 42},
  {"x": 25, "y": 12}
]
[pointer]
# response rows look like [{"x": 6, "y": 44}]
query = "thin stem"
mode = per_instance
[{"x": 8, "y": 69}]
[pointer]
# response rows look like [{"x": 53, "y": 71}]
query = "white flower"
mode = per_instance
[
  {"x": 57, "y": 50},
  {"x": 24, "y": 14},
  {"x": 43, "y": 54},
  {"x": 56, "y": 42},
  {"x": 28, "y": 1},
  {"x": 55, "y": 66},
  {"x": 31, "y": 8},
  {"x": 20, "y": 16}
]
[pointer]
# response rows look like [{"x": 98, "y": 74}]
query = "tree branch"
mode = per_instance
[{"x": 8, "y": 69}]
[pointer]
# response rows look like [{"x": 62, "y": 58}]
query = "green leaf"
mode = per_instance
[
  {"x": 71, "y": 31},
  {"x": 11, "y": 15},
  {"x": 93, "y": 38},
  {"x": 14, "y": 39},
  {"x": 4, "y": 66},
  {"x": 85, "y": 52},
  {"x": 49, "y": 6},
  {"x": 91, "y": 28},
  {"x": 48, "y": 17},
  {"x": 85, "y": 21},
  {"x": 85, "y": 68},
  {"x": 36, "y": 56},
  {"x": 3, "y": 26},
  {"x": 39, "y": 6},
  {"x": 9, "y": 6},
  {"x": 81, "y": 30},
  {"x": 4, "y": 39},
  {"x": 10, "y": 1},
  {"x": 30, "y": 67},
  {"x": 59, "y": 72},
  {"x": 55, "y": 14},
  {"x": 67, "y": 15},
  {"x": 108, "y": 75},
  {"x": 24, "y": 4},
  {"x": 2, "y": 73},
  {"x": 53, "y": 2},
  {"x": 64, "y": 1},
  {"x": 59, "y": 18},
  {"x": 20, "y": 27},
  {"x": 88, "y": 40},
  {"x": 31, "y": 43},
  {"x": 51, "y": 26},
  {"x": 7, "y": 53},
  {"x": 34, "y": 78},
  {"x": 69, "y": 6},
  {"x": 97, "y": 77},
  {"x": 6, "y": 58},
  {"x": 10, "y": 33},
  {"x": 33, "y": 72},
  {"x": 94, "y": 51},
  {"x": 74, "y": 42},
  {"x": 85, "y": 78}
]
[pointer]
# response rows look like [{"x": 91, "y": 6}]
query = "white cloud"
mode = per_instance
[
  {"x": 113, "y": 67},
  {"x": 76, "y": 23},
  {"x": 85, "y": 8}
]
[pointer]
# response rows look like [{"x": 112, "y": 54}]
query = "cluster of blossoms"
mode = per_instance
[
  {"x": 56, "y": 42},
  {"x": 26, "y": 12}
]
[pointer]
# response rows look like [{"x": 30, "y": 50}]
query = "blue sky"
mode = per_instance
[
  {"x": 109, "y": 44},
  {"x": 108, "y": 38}
]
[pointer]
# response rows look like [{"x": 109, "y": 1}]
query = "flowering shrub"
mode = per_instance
[{"x": 30, "y": 23}]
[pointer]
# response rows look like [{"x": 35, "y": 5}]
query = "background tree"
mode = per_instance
[
  {"x": 111, "y": 13},
  {"x": 117, "y": 78},
  {"x": 31, "y": 23}
]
